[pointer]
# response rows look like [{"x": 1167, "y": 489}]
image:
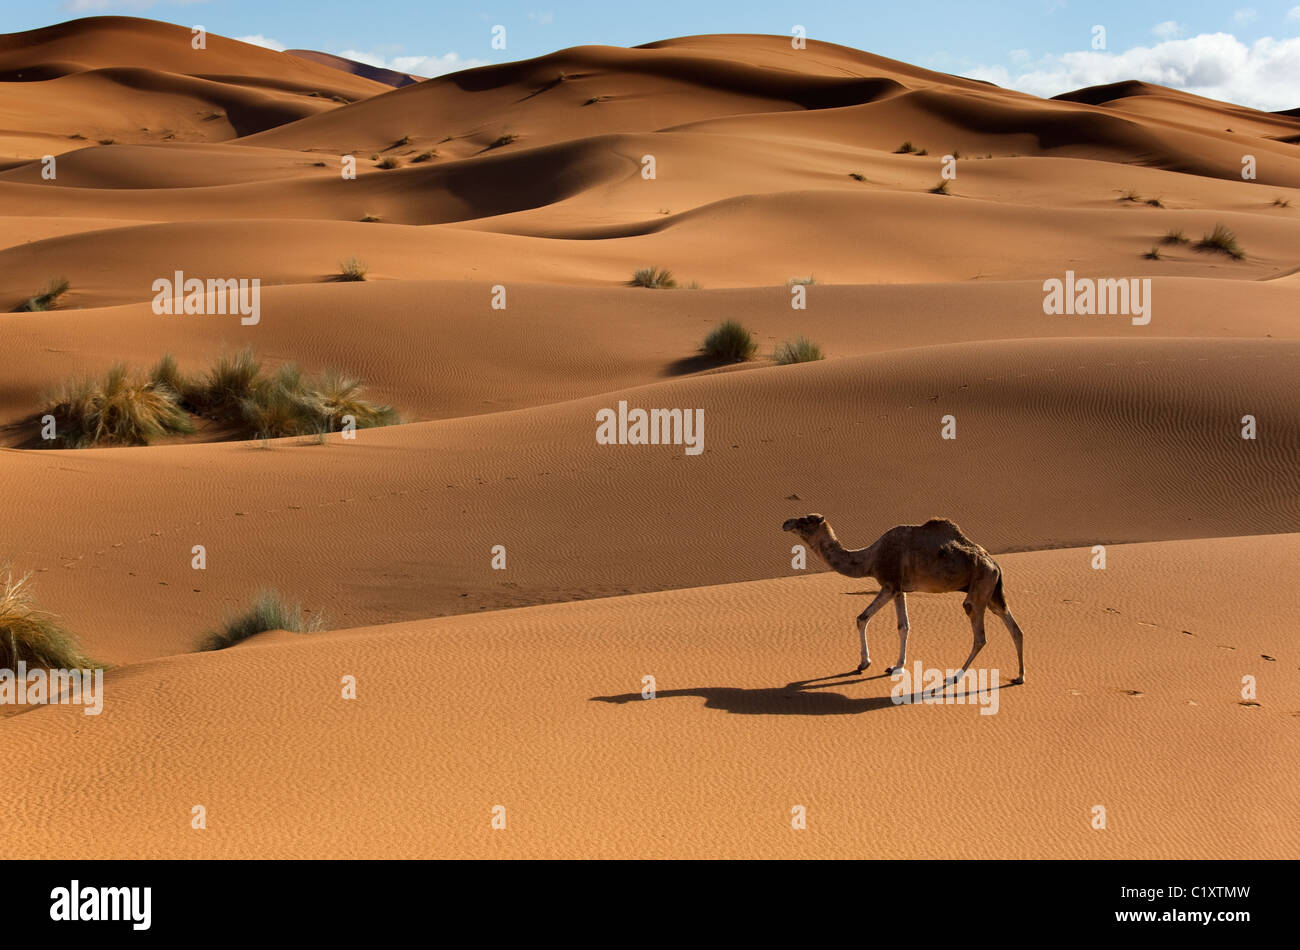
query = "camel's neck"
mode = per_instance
[{"x": 851, "y": 563}]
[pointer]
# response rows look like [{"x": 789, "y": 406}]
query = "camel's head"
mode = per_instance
[{"x": 804, "y": 526}]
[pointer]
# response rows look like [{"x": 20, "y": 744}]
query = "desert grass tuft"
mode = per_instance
[
  {"x": 120, "y": 409},
  {"x": 1281, "y": 202},
  {"x": 424, "y": 157},
  {"x": 500, "y": 140},
  {"x": 907, "y": 148},
  {"x": 730, "y": 341},
  {"x": 654, "y": 277},
  {"x": 1174, "y": 236},
  {"x": 269, "y": 611},
  {"x": 798, "y": 350},
  {"x": 941, "y": 188},
  {"x": 1153, "y": 254},
  {"x": 352, "y": 270},
  {"x": 857, "y": 176},
  {"x": 1223, "y": 241},
  {"x": 31, "y": 635},
  {"x": 168, "y": 375},
  {"x": 803, "y": 281},
  {"x": 371, "y": 218},
  {"x": 338, "y": 395},
  {"x": 48, "y": 297},
  {"x": 236, "y": 392},
  {"x": 388, "y": 162}
]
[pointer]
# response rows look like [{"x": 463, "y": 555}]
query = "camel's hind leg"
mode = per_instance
[
  {"x": 977, "y": 599},
  {"x": 886, "y": 593},
  {"x": 976, "y": 611},
  {"x": 998, "y": 605},
  {"x": 900, "y": 605}
]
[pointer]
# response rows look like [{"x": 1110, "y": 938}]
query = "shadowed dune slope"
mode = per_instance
[{"x": 389, "y": 77}]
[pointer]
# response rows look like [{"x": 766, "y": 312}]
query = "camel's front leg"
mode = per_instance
[
  {"x": 900, "y": 605},
  {"x": 886, "y": 593}
]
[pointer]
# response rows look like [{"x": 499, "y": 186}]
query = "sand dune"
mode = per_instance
[
  {"x": 143, "y": 81},
  {"x": 401, "y": 522},
  {"x": 437, "y": 350},
  {"x": 388, "y": 77},
  {"x": 520, "y": 686},
  {"x": 540, "y": 710}
]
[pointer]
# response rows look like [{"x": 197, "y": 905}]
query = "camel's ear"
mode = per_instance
[{"x": 788, "y": 524}]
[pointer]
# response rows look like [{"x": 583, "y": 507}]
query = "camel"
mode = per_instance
[{"x": 932, "y": 558}]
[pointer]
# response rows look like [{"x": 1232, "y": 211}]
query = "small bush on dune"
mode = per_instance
[
  {"x": 501, "y": 140},
  {"x": 169, "y": 376},
  {"x": 857, "y": 176},
  {"x": 941, "y": 188},
  {"x": 269, "y": 612},
  {"x": 389, "y": 161},
  {"x": 1281, "y": 202},
  {"x": 655, "y": 277},
  {"x": 48, "y": 297},
  {"x": 1155, "y": 202},
  {"x": 128, "y": 410},
  {"x": 230, "y": 381},
  {"x": 1153, "y": 254},
  {"x": 804, "y": 281},
  {"x": 907, "y": 148},
  {"x": 32, "y": 636},
  {"x": 119, "y": 410},
  {"x": 424, "y": 157},
  {"x": 1174, "y": 236},
  {"x": 799, "y": 350},
  {"x": 352, "y": 269},
  {"x": 339, "y": 395},
  {"x": 1223, "y": 241},
  {"x": 280, "y": 405},
  {"x": 730, "y": 341}
]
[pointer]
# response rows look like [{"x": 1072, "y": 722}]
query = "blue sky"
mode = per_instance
[{"x": 1246, "y": 52}]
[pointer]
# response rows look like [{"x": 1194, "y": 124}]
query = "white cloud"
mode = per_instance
[
  {"x": 1168, "y": 30},
  {"x": 1265, "y": 74},
  {"x": 1244, "y": 16},
  {"x": 417, "y": 65},
  {"x": 542, "y": 19},
  {"x": 257, "y": 39},
  {"x": 1293, "y": 13}
]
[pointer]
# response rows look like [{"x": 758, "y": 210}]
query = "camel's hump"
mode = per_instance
[{"x": 941, "y": 523}]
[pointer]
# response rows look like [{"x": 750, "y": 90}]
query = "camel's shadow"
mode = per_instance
[{"x": 799, "y": 698}]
